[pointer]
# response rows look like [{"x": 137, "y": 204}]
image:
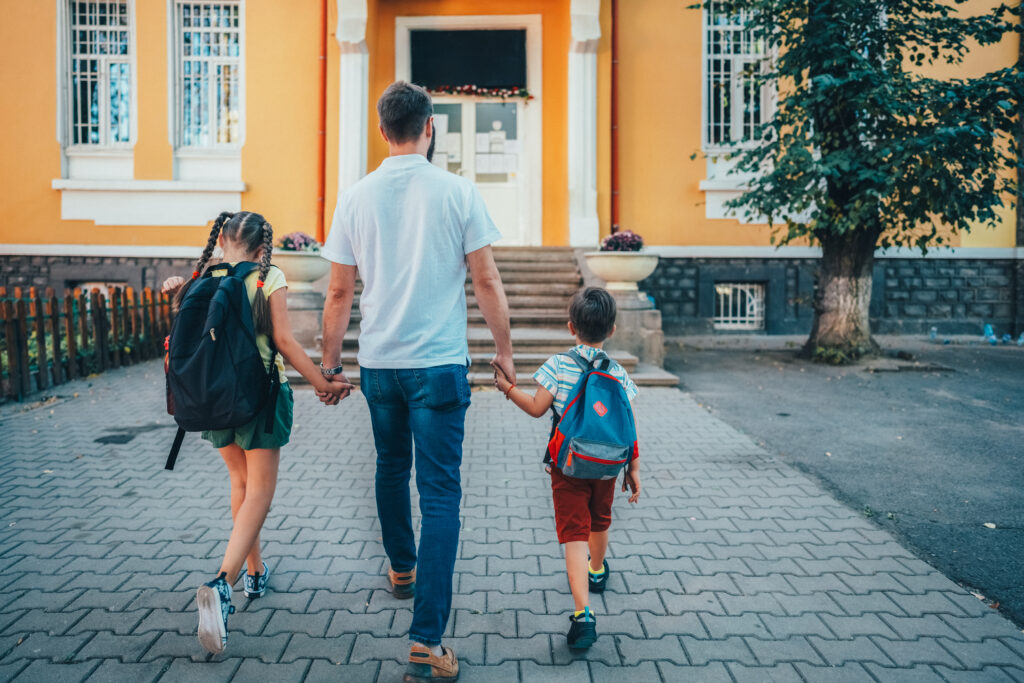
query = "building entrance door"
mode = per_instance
[
  {"x": 493, "y": 142},
  {"x": 483, "y": 141}
]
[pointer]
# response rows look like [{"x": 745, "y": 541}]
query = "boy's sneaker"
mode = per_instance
[
  {"x": 214, "y": 601},
  {"x": 255, "y": 585},
  {"x": 582, "y": 630},
  {"x": 424, "y": 666},
  {"x": 403, "y": 584},
  {"x": 598, "y": 581}
]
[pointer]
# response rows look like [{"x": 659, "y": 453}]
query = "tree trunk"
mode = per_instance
[{"x": 841, "y": 331}]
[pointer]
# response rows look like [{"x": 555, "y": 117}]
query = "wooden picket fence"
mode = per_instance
[{"x": 46, "y": 341}]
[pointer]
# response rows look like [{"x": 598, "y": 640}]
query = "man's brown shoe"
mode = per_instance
[
  {"x": 403, "y": 584},
  {"x": 425, "y": 666}
]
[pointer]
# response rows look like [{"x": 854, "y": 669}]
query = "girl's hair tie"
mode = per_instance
[
  {"x": 259, "y": 284},
  {"x": 195, "y": 274}
]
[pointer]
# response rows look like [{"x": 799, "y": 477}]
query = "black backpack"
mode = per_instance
[{"x": 215, "y": 373}]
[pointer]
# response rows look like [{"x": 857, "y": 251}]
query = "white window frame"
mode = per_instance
[
  {"x": 737, "y": 64},
  {"x": 104, "y": 159},
  {"x": 217, "y": 161},
  {"x": 734, "y": 319}
]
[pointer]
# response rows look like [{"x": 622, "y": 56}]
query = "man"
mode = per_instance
[{"x": 411, "y": 229}]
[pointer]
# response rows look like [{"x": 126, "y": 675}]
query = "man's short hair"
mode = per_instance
[
  {"x": 592, "y": 313},
  {"x": 403, "y": 110}
]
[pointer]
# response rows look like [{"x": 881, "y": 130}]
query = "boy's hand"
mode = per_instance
[
  {"x": 500, "y": 381},
  {"x": 172, "y": 284},
  {"x": 632, "y": 480},
  {"x": 504, "y": 366}
]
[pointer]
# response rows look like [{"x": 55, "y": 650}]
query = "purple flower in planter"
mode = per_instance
[
  {"x": 298, "y": 241},
  {"x": 625, "y": 240}
]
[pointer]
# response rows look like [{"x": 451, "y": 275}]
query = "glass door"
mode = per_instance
[{"x": 482, "y": 140}]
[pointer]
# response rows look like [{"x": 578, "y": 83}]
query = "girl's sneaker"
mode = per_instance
[
  {"x": 214, "y": 601},
  {"x": 582, "y": 630},
  {"x": 255, "y": 585},
  {"x": 598, "y": 581}
]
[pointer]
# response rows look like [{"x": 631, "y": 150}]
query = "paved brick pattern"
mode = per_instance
[{"x": 734, "y": 567}]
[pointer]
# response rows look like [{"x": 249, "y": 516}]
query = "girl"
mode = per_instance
[{"x": 250, "y": 453}]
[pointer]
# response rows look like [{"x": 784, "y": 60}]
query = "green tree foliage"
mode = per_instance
[{"x": 866, "y": 148}]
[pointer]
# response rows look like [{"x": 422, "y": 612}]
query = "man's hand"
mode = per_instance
[
  {"x": 632, "y": 481},
  {"x": 340, "y": 389},
  {"x": 503, "y": 365}
]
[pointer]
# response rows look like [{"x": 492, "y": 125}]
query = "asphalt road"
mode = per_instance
[{"x": 931, "y": 455}]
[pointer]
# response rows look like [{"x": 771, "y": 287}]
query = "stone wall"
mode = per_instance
[
  {"x": 956, "y": 296},
  {"x": 60, "y": 272},
  {"x": 683, "y": 290}
]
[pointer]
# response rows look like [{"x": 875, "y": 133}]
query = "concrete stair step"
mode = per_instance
[
  {"x": 642, "y": 374},
  {"x": 565, "y": 290},
  {"x": 532, "y": 265},
  {"x": 540, "y": 276},
  {"x": 525, "y": 317},
  {"x": 563, "y": 254},
  {"x": 532, "y": 301},
  {"x": 529, "y": 301},
  {"x": 547, "y": 340},
  {"x": 526, "y": 361}
]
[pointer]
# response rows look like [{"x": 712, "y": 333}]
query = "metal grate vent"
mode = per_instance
[{"x": 739, "y": 306}]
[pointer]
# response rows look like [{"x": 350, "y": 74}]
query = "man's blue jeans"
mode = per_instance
[{"x": 425, "y": 406}]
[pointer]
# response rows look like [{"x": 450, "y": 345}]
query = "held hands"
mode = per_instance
[
  {"x": 632, "y": 481},
  {"x": 172, "y": 284},
  {"x": 504, "y": 370},
  {"x": 501, "y": 382},
  {"x": 336, "y": 388}
]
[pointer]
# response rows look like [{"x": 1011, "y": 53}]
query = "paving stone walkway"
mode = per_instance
[{"x": 734, "y": 567}]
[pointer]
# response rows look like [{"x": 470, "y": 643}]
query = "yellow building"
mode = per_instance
[{"x": 130, "y": 124}]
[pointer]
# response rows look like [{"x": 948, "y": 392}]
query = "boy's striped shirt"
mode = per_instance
[{"x": 559, "y": 375}]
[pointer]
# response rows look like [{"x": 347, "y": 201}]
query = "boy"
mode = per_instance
[{"x": 583, "y": 507}]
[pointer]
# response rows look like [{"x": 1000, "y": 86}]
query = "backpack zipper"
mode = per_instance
[{"x": 212, "y": 335}]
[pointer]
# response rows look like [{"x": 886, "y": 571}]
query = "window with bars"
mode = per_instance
[
  {"x": 734, "y": 104},
  {"x": 739, "y": 306},
  {"x": 99, "y": 77},
  {"x": 208, "y": 50}
]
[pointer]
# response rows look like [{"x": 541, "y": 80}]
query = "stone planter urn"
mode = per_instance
[
  {"x": 305, "y": 305},
  {"x": 301, "y": 268},
  {"x": 621, "y": 270}
]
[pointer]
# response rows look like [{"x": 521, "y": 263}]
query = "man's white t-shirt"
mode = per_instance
[{"x": 407, "y": 227}]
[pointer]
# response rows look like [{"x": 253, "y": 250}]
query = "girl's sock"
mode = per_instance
[
  {"x": 578, "y": 612},
  {"x": 595, "y": 572}
]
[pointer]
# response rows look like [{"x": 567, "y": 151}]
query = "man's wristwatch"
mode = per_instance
[{"x": 331, "y": 372}]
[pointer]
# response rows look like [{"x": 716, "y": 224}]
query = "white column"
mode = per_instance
[
  {"x": 584, "y": 229},
  {"x": 353, "y": 92}
]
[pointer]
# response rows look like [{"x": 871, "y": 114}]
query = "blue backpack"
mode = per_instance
[
  {"x": 595, "y": 437},
  {"x": 215, "y": 372}
]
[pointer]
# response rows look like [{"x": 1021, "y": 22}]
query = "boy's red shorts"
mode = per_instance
[{"x": 581, "y": 505}]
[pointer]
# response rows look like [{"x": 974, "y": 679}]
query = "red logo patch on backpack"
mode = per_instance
[{"x": 600, "y": 409}]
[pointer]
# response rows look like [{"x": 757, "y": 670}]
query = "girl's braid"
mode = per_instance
[
  {"x": 211, "y": 243},
  {"x": 260, "y": 305},
  {"x": 268, "y": 248},
  {"x": 218, "y": 224}
]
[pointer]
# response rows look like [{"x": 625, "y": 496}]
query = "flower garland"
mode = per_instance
[{"x": 475, "y": 90}]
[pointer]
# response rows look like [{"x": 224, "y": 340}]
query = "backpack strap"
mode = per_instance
[
  {"x": 577, "y": 358},
  {"x": 587, "y": 366},
  {"x": 240, "y": 269},
  {"x": 275, "y": 387},
  {"x": 175, "y": 447}
]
